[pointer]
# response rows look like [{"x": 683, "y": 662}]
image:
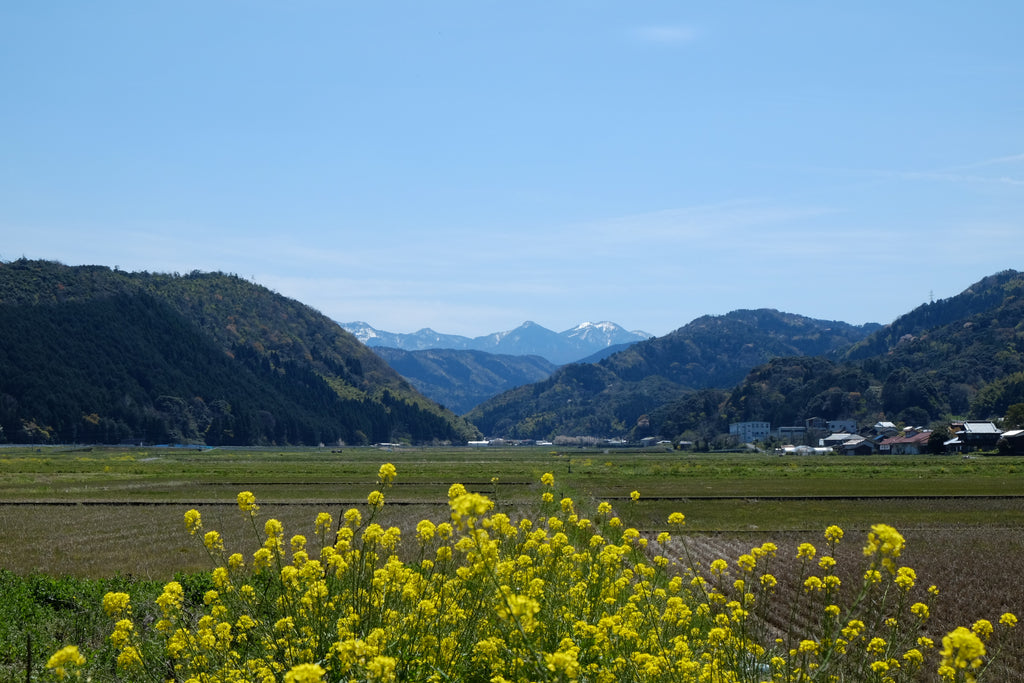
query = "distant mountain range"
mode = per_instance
[
  {"x": 590, "y": 341},
  {"x": 94, "y": 355}
]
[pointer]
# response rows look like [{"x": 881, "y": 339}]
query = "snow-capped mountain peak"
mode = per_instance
[{"x": 574, "y": 344}]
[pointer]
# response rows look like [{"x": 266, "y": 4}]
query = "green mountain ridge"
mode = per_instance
[
  {"x": 461, "y": 379},
  {"x": 617, "y": 395},
  {"x": 90, "y": 354},
  {"x": 958, "y": 357}
]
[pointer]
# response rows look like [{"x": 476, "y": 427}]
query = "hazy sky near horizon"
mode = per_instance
[{"x": 468, "y": 165}]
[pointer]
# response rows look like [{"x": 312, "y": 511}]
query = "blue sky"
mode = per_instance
[{"x": 470, "y": 165}]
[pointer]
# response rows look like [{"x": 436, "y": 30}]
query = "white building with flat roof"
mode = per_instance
[{"x": 749, "y": 432}]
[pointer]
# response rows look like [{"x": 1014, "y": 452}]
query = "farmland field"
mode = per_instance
[
  {"x": 103, "y": 512},
  {"x": 95, "y": 512}
]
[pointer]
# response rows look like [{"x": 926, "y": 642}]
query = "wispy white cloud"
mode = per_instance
[
  {"x": 1010, "y": 159},
  {"x": 665, "y": 34},
  {"x": 705, "y": 225},
  {"x": 959, "y": 178}
]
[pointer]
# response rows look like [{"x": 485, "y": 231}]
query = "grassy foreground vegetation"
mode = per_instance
[{"x": 79, "y": 524}]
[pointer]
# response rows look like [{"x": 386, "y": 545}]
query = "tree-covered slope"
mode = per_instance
[
  {"x": 462, "y": 379},
  {"x": 579, "y": 399},
  {"x": 984, "y": 298},
  {"x": 92, "y": 354},
  {"x": 961, "y": 356},
  {"x": 616, "y": 396},
  {"x": 718, "y": 351}
]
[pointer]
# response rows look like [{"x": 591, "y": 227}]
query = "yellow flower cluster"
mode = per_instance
[
  {"x": 557, "y": 596},
  {"x": 247, "y": 502},
  {"x": 64, "y": 659},
  {"x": 387, "y": 473},
  {"x": 884, "y": 545}
]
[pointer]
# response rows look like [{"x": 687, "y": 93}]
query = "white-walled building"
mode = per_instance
[{"x": 748, "y": 432}]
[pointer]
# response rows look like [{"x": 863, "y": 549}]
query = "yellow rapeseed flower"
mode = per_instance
[
  {"x": 247, "y": 502},
  {"x": 213, "y": 541},
  {"x": 983, "y": 628},
  {"x": 634, "y": 496},
  {"x": 425, "y": 530},
  {"x": 117, "y": 604},
  {"x": 853, "y": 629},
  {"x": 273, "y": 528},
  {"x": 469, "y": 506},
  {"x": 833, "y": 534},
  {"x": 962, "y": 649},
  {"x": 305, "y": 673},
  {"x": 677, "y": 518},
  {"x": 913, "y": 657},
  {"x": 547, "y": 479},
  {"x": 905, "y": 578},
  {"x": 1008, "y": 620},
  {"x": 375, "y": 500},
  {"x": 193, "y": 521},
  {"x": 521, "y": 608},
  {"x": 381, "y": 668},
  {"x": 171, "y": 599},
  {"x": 386, "y": 474},
  {"x": 63, "y": 658},
  {"x": 129, "y": 658},
  {"x": 806, "y": 551},
  {"x": 747, "y": 562},
  {"x": 353, "y": 518},
  {"x": 324, "y": 523},
  {"x": 122, "y": 634},
  {"x": 884, "y": 545}
]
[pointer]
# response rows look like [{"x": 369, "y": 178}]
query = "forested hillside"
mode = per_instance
[
  {"x": 962, "y": 356},
  {"x": 89, "y": 354},
  {"x": 462, "y": 379},
  {"x": 958, "y": 357},
  {"x": 618, "y": 395}
]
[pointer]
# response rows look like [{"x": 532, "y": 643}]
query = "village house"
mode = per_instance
[
  {"x": 911, "y": 442},
  {"x": 816, "y": 424},
  {"x": 1011, "y": 442},
  {"x": 857, "y": 445},
  {"x": 791, "y": 434},
  {"x": 837, "y": 439},
  {"x": 973, "y": 435},
  {"x": 886, "y": 429}
]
